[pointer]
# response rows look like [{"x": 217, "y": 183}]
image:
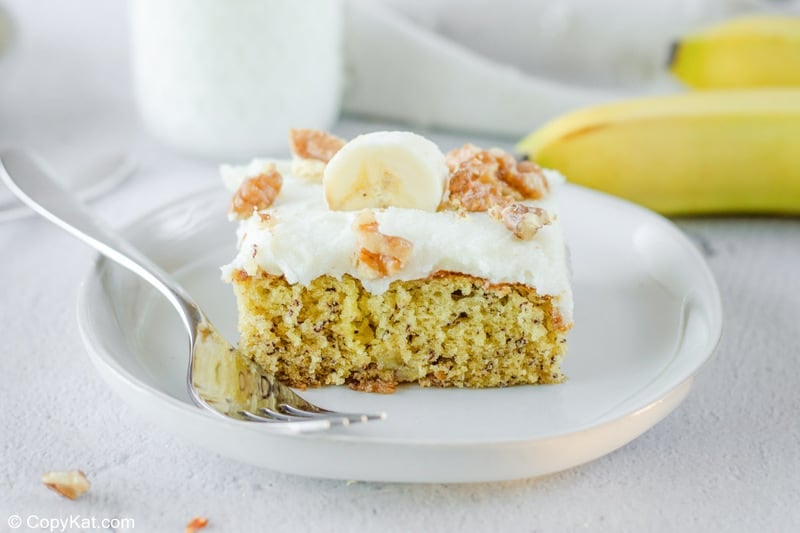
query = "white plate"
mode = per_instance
[{"x": 648, "y": 316}]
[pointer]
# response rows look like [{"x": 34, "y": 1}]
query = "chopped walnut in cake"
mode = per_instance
[
  {"x": 71, "y": 484},
  {"x": 256, "y": 193},
  {"x": 480, "y": 179},
  {"x": 377, "y": 386},
  {"x": 378, "y": 255},
  {"x": 312, "y": 149},
  {"x": 523, "y": 220}
]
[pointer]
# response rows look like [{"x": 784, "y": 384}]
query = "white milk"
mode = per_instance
[{"x": 228, "y": 79}]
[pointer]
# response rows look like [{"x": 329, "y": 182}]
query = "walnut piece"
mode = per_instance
[
  {"x": 312, "y": 149},
  {"x": 196, "y": 524},
  {"x": 480, "y": 179},
  {"x": 256, "y": 193},
  {"x": 378, "y": 255},
  {"x": 523, "y": 220},
  {"x": 314, "y": 144},
  {"x": 528, "y": 178},
  {"x": 71, "y": 484}
]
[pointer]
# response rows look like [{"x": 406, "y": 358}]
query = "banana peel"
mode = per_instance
[
  {"x": 754, "y": 51},
  {"x": 704, "y": 152}
]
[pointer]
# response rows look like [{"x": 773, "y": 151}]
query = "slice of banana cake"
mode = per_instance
[{"x": 381, "y": 261}]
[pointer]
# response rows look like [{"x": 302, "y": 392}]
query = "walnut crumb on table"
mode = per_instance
[
  {"x": 71, "y": 484},
  {"x": 196, "y": 524}
]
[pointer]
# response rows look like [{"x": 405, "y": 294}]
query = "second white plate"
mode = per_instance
[{"x": 647, "y": 317}]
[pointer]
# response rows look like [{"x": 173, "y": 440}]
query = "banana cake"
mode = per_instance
[{"x": 382, "y": 261}]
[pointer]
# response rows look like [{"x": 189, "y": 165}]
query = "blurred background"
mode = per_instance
[{"x": 223, "y": 81}]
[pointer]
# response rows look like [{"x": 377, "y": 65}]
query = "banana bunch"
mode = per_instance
[
  {"x": 745, "y": 52},
  {"x": 711, "y": 151},
  {"x": 732, "y": 151}
]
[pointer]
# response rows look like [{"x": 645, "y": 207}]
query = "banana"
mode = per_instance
[
  {"x": 729, "y": 151},
  {"x": 383, "y": 169},
  {"x": 746, "y": 52}
]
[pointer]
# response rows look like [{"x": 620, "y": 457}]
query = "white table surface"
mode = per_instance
[{"x": 728, "y": 459}]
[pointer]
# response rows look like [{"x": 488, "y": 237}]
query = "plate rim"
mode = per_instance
[{"x": 102, "y": 358}]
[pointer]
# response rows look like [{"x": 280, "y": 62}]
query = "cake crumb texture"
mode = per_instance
[{"x": 449, "y": 330}]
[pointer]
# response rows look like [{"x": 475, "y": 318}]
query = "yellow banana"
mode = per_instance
[
  {"x": 747, "y": 52},
  {"x": 731, "y": 151}
]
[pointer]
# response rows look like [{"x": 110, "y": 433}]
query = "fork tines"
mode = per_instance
[{"x": 317, "y": 417}]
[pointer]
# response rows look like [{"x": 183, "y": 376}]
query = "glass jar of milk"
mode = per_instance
[{"x": 227, "y": 79}]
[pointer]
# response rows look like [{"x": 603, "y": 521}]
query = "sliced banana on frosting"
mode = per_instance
[{"x": 386, "y": 169}]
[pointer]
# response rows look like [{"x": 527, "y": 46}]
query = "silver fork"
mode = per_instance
[
  {"x": 101, "y": 178},
  {"x": 219, "y": 377}
]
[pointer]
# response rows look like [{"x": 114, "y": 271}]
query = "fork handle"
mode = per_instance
[{"x": 27, "y": 178}]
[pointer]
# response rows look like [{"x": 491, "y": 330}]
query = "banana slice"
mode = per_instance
[{"x": 383, "y": 169}]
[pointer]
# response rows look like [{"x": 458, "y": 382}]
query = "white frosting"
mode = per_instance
[{"x": 305, "y": 240}]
